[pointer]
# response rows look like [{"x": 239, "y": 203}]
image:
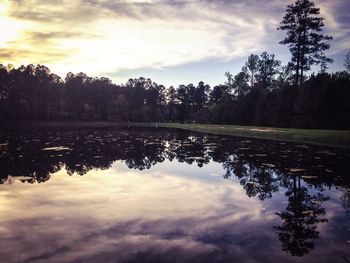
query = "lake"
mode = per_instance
[{"x": 166, "y": 195}]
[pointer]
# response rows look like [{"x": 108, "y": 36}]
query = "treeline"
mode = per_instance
[{"x": 263, "y": 94}]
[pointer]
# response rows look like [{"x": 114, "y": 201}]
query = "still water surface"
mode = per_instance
[{"x": 159, "y": 195}]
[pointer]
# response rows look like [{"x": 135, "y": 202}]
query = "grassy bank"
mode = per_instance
[{"x": 336, "y": 138}]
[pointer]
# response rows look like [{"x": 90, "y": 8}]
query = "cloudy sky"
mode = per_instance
[{"x": 170, "y": 41}]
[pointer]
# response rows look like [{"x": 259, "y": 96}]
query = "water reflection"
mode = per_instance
[
  {"x": 150, "y": 215},
  {"x": 300, "y": 219}
]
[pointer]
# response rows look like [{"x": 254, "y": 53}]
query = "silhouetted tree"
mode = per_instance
[
  {"x": 171, "y": 99},
  {"x": 240, "y": 83},
  {"x": 252, "y": 66},
  {"x": 346, "y": 200},
  {"x": 267, "y": 69},
  {"x": 286, "y": 76},
  {"x": 347, "y": 62},
  {"x": 306, "y": 44},
  {"x": 34, "y": 93}
]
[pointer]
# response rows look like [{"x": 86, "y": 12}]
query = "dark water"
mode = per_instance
[{"x": 157, "y": 195}]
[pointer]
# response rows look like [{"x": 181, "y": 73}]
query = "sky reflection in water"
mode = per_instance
[{"x": 204, "y": 198}]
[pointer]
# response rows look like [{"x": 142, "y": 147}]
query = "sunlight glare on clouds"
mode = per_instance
[
  {"x": 135, "y": 44},
  {"x": 129, "y": 44},
  {"x": 11, "y": 29},
  {"x": 101, "y": 36},
  {"x": 125, "y": 35}
]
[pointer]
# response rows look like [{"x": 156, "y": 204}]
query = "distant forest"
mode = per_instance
[
  {"x": 33, "y": 93},
  {"x": 264, "y": 93}
]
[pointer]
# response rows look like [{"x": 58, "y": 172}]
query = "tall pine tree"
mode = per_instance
[
  {"x": 347, "y": 62},
  {"x": 306, "y": 43}
]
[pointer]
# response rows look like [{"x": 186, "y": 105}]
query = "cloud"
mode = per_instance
[
  {"x": 97, "y": 36},
  {"x": 337, "y": 15},
  {"x": 172, "y": 211},
  {"x": 77, "y": 218}
]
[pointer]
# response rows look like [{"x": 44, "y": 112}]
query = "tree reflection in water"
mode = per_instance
[
  {"x": 300, "y": 219},
  {"x": 346, "y": 200},
  {"x": 262, "y": 167}
]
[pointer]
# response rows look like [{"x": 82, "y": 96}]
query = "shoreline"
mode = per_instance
[{"x": 332, "y": 138}]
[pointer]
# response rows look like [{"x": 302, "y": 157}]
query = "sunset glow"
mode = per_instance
[{"x": 151, "y": 38}]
